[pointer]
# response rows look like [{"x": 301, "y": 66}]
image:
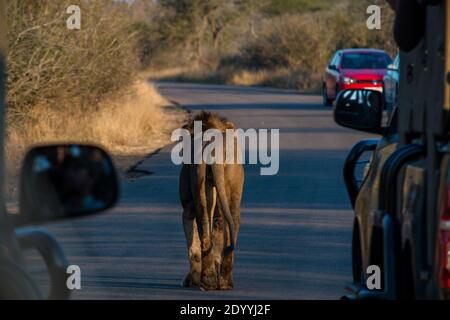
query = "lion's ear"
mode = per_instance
[{"x": 229, "y": 125}]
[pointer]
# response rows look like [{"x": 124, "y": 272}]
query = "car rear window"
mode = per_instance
[{"x": 365, "y": 61}]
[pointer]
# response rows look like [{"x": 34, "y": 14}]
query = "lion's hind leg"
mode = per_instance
[
  {"x": 218, "y": 236},
  {"x": 193, "y": 278},
  {"x": 226, "y": 268},
  {"x": 209, "y": 268}
]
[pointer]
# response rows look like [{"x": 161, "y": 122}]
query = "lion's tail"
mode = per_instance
[{"x": 219, "y": 182}]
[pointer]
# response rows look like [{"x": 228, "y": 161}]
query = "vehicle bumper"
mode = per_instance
[{"x": 362, "y": 86}]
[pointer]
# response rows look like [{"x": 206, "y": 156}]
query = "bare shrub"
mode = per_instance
[
  {"x": 80, "y": 85},
  {"x": 279, "y": 43},
  {"x": 304, "y": 43},
  {"x": 49, "y": 64}
]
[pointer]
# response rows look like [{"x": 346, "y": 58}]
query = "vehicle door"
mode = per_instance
[
  {"x": 332, "y": 75},
  {"x": 366, "y": 203}
]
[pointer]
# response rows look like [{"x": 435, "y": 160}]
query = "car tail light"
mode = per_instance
[{"x": 444, "y": 242}]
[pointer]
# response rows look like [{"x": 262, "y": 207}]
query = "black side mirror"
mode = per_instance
[
  {"x": 65, "y": 181},
  {"x": 332, "y": 67},
  {"x": 360, "y": 110}
]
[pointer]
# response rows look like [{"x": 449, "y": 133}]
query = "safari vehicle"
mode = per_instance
[
  {"x": 57, "y": 182},
  {"x": 402, "y": 207}
]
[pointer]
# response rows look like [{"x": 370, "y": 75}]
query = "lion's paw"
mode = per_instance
[
  {"x": 209, "y": 282},
  {"x": 192, "y": 281},
  {"x": 226, "y": 283}
]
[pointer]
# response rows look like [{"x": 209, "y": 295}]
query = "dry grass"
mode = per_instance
[
  {"x": 138, "y": 123},
  {"x": 167, "y": 73},
  {"x": 284, "y": 78},
  {"x": 249, "y": 78},
  {"x": 190, "y": 74}
]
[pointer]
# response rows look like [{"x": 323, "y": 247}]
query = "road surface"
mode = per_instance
[{"x": 295, "y": 237}]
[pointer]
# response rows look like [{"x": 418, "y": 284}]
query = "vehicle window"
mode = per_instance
[
  {"x": 334, "y": 60},
  {"x": 365, "y": 61},
  {"x": 397, "y": 61},
  {"x": 337, "y": 59}
]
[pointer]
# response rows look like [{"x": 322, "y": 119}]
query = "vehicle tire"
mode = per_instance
[
  {"x": 16, "y": 284},
  {"x": 326, "y": 101}
]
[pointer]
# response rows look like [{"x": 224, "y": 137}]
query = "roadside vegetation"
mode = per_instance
[
  {"x": 80, "y": 85},
  {"x": 281, "y": 43}
]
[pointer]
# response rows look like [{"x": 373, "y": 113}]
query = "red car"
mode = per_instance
[{"x": 354, "y": 69}]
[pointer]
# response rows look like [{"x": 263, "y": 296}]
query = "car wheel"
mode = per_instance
[
  {"x": 16, "y": 283},
  {"x": 326, "y": 101}
]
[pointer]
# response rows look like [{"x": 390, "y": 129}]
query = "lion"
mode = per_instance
[{"x": 211, "y": 230}]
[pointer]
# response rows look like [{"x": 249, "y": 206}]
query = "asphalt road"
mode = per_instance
[{"x": 295, "y": 236}]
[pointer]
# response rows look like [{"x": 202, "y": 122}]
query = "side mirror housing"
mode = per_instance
[
  {"x": 359, "y": 109},
  {"x": 332, "y": 67},
  {"x": 65, "y": 181}
]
